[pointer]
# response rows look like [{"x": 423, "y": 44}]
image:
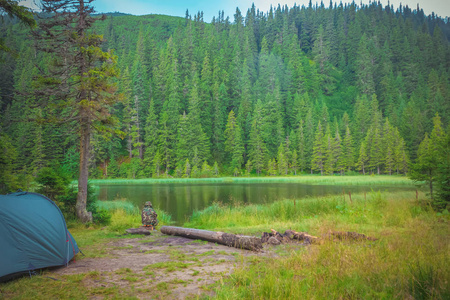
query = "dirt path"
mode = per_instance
[{"x": 158, "y": 267}]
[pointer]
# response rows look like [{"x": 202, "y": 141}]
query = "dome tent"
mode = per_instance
[{"x": 33, "y": 234}]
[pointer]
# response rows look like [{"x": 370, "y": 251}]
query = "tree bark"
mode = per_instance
[
  {"x": 82, "y": 214},
  {"x": 228, "y": 239},
  {"x": 85, "y": 126}
]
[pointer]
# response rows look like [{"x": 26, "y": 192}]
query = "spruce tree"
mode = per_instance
[
  {"x": 282, "y": 161},
  {"x": 319, "y": 150},
  {"x": 363, "y": 158},
  {"x": 329, "y": 163},
  {"x": 427, "y": 163},
  {"x": 85, "y": 86},
  {"x": 258, "y": 150},
  {"x": 151, "y": 137}
]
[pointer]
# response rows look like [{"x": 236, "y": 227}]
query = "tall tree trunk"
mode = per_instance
[{"x": 85, "y": 137}]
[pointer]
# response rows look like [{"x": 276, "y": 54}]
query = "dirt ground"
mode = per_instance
[{"x": 159, "y": 267}]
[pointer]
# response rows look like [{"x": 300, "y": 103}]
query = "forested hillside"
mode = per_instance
[{"x": 327, "y": 90}]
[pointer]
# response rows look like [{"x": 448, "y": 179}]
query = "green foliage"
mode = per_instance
[
  {"x": 432, "y": 165},
  {"x": 8, "y": 156},
  {"x": 443, "y": 178},
  {"x": 393, "y": 266},
  {"x": 51, "y": 184},
  {"x": 68, "y": 201},
  {"x": 181, "y": 78}
]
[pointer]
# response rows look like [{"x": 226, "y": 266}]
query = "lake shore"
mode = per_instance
[{"x": 306, "y": 179}]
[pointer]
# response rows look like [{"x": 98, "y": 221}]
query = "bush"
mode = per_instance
[
  {"x": 52, "y": 184},
  {"x": 69, "y": 200}
]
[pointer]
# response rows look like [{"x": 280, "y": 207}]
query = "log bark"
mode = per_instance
[
  {"x": 140, "y": 230},
  {"x": 301, "y": 236},
  {"x": 348, "y": 235},
  {"x": 288, "y": 236},
  {"x": 228, "y": 239}
]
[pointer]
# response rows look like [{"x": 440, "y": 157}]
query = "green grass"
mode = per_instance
[
  {"x": 409, "y": 259},
  {"x": 305, "y": 179},
  {"x": 126, "y": 206},
  {"x": 91, "y": 238},
  {"x": 304, "y": 215},
  {"x": 168, "y": 266}
]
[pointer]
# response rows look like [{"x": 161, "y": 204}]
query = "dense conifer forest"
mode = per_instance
[{"x": 334, "y": 89}]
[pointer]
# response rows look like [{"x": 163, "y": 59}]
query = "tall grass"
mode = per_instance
[
  {"x": 305, "y": 179},
  {"x": 361, "y": 212},
  {"x": 111, "y": 206},
  {"x": 409, "y": 259}
]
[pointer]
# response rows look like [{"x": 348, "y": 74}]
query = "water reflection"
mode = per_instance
[{"x": 180, "y": 200}]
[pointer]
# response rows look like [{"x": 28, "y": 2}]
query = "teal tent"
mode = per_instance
[{"x": 33, "y": 234}]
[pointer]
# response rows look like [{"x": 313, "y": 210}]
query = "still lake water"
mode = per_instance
[{"x": 180, "y": 200}]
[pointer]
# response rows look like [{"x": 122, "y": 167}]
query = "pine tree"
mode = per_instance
[
  {"x": 14, "y": 10},
  {"x": 219, "y": 97},
  {"x": 348, "y": 152},
  {"x": 205, "y": 91},
  {"x": 272, "y": 125},
  {"x": 129, "y": 113},
  {"x": 230, "y": 132},
  {"x": 136, "y": 106},
  {"x": 328, "y": 144},
  {"x": 443, "y": 177},
  {"x": 365, "y": 66},
  {"x": 319, "y": 151},
  {"x": 272, "y": 167},
  {"x": 388, "y": 145},
  {"x": 281, "y": 160},
  {"x": 375, "y": 150},
  {"x": 426, "y": 166},
  {"x": 187, "y": 169},
  {"x": 363, "y": 159},
  {"x": 151, "y": 136},
  {"x": 77, "y": 54},
  {"x": 294, "y": 162},
  {"x": 237, "y": 156},
  {"x": 301, "y": 147},
  {"x": 337, "y": 151},
  {"x": 8, "y": 156},
  {"x": 258, "y": 150}
]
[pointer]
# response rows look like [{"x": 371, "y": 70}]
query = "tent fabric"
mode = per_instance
[{"x": 33, "y": 234}]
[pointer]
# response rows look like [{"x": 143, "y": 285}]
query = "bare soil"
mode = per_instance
[{"x": 158, "y": 267}]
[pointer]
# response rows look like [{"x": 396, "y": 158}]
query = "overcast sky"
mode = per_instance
[{"x": 211, "y": 8}]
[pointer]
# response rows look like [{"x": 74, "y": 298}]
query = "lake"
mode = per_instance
[{"x": 180, "y": 200}]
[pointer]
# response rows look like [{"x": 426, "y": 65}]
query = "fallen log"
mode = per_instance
[
  {"x": 228, "y": 239},
  {"x": 288, "y": 236},
  {"x": 348, "y": 235},
  {"x": 301, "y": 236},
  {"x": 276, "y": 238},
  {"x": 140, "y": 230}
]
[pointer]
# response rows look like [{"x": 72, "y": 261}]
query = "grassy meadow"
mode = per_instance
[{"x": 409, "y": 259}]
